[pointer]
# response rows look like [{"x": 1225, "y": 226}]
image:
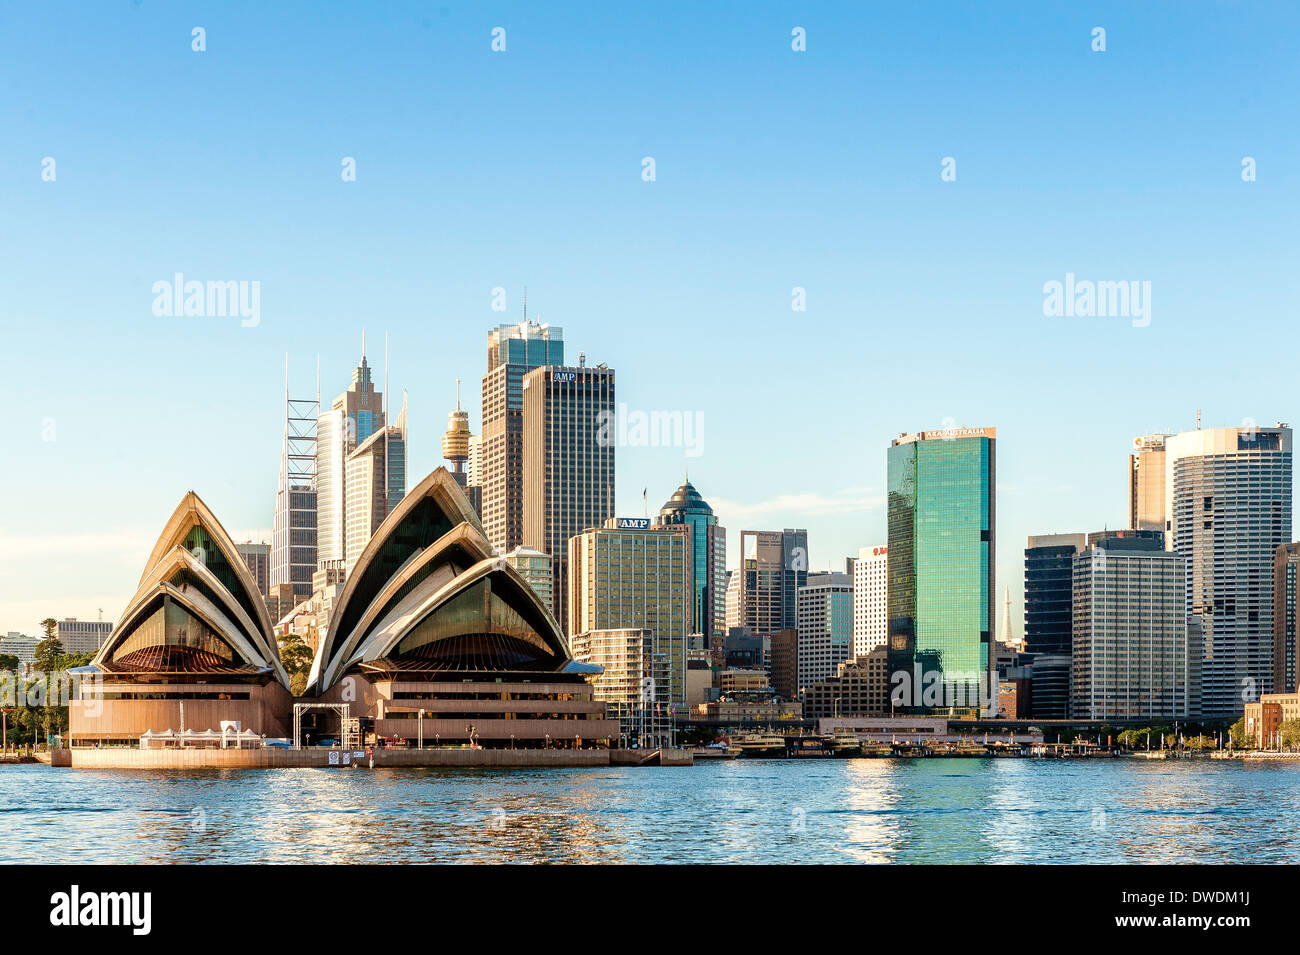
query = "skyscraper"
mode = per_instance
[
  {"x": 568, "y": 475},
  {"x": 941, "y": 515},
  {"x": 824, "y": 615},
  {"x": 1049, "y": 593},
  {"x": 375, "y": 481},
  {"x": 870, "y": 600},
  {"x": 629, "y": 575},
  {"x": 513, "y": 351},
  {"x": 708, "y": 561},
  {"x": 258, "y": 559},
  {"x": 1146, "y": 483},
  {"x": 1229, "y": 497},
  {"x": 293, "y": 538},
  {"x": 1286, "y": 616},
  {"x": 773, "y": 566},
  {"x": 355, "y": 415},
  {"x": 1132, "y": 658}
]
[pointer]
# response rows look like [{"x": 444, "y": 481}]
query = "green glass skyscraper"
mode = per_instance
[
  {"x": 941, "y": 569},
  {"x": 708, "y": 560}
]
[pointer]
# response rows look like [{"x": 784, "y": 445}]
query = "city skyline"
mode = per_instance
[{"x": 924, "y": 297}]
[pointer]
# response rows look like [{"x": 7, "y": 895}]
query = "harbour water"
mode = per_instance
[{"x": 815, "y": 811}]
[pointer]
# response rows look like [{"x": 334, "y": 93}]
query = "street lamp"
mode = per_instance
[{"x": 419, "y": 728}]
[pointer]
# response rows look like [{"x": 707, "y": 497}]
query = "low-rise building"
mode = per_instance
[
  {"x": 83, "y": 636},
  {"x": 860, "y": 688},
  {"x": 1265, "y": 717}
]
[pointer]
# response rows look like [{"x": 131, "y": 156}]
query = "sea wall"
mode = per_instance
[{"x": 312, "y": 758}]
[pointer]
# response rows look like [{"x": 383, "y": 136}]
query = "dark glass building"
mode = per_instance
[
  {"x": 941, "y": 569},
  {"x": 708, "y": 560},
  {"x": 1049, "y": 592},
  {"x": 1286, "y": 620}
]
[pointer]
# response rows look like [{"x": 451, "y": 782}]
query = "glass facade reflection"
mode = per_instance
[
  {"x": 475, "y": 630},
  {"x": 708, "y": 558},
  {"x": 172, "y": 639},
  {"x": 941, "y": 576}
]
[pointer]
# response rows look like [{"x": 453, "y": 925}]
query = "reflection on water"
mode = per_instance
[{"x": 808, "y": 811}]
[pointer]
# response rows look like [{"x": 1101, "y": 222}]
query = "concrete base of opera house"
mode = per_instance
[{"x": 87, "y": 758}]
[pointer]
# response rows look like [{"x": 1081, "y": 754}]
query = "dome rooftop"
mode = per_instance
[{"x": 686, "y": 498}]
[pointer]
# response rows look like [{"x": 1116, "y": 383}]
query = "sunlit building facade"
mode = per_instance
[
  {"x": 941, "y": 517},
  {"x": 1131, "y": 658},
  {"x": 1229, "y": 499},
  {"x": 193, "y": 648}
]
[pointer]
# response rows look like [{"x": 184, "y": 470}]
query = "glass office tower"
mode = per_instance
[
  {"x": 1049, "y": 593},
  {"x": 708, "y": 559},
  {"x": 941, "y": 568}
]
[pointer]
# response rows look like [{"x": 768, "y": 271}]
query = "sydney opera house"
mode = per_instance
[{"x": 434, "y": 639}]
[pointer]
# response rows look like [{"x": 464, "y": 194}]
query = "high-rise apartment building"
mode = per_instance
[
  {"x": 1147, "y": 508},
  {"x": 870, "y": 600},
  {"x": 257, "y": 557},
  {"x": 1132, "y": 658},
  {"x": 629, "y": 575},
  {"x": 941, "y": 515},
  {"x": 824, "y": 619},
  {"x": 1229, "y": 497},
  {"x": 568, "y": 462},
  {"x": 635, "y": 682},
  {"x": 1049, "y": 593},
  {"x": 1286, "y": 616},
  {"x": 497, "y": 465},
  {"x": 708, "y": 562},
  {"x": 773, "y": 566}
]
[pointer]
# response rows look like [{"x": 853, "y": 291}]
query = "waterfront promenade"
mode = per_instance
[{"x": 271, "y": 758}]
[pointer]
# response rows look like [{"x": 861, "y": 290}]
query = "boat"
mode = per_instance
[
  {"x": 716, "y": 751},
  {"x": 842, "y": 744},
  {"x": 761, "y": 746}
]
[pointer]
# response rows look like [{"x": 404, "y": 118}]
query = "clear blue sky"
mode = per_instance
[{"x": 775, "y": 169}]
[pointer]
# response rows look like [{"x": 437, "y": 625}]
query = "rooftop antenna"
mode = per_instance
[
  {"x": 1198, "y": 419},
  {"x": 363, "y": 343},
  {"x": 457, "y": 394},
  {"x": 525, "y": 304}
]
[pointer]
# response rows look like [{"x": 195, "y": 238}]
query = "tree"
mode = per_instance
[
  {"x": 1240, "y": 738},
  {"x": 297, "y": 659},
  {"x": 48, "y": 655},
  {"x": 1290, "y": 733},
  {"x": 9, "y": 662}
]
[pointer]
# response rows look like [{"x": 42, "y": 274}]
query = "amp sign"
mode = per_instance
[
  {"x": 633, "y": 523},
  {"x": 564, "y": 376}
]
